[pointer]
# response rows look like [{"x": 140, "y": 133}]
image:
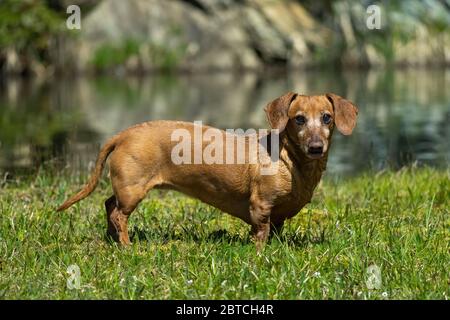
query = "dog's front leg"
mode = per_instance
[{"x": 260, "y": 220}]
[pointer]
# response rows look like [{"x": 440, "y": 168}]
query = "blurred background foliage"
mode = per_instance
[
  {"x": 145, "y": 35},
  {"x": 27, "y": 30}
]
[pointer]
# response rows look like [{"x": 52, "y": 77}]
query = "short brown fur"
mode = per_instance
[{"x": 140, "y": 160}]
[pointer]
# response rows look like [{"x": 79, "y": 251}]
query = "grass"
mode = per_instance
[{"x": 396, "y": 221}]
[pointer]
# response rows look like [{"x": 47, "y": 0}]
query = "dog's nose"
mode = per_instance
[{"x": 315, "y": 147}]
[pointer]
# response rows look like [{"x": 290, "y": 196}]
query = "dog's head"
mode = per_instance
[{"x": 309, "y": 120}]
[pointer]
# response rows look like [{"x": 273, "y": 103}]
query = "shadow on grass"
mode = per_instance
[
  {"x": 221, "y": 236},
  {"x": 217, "y": 236}
]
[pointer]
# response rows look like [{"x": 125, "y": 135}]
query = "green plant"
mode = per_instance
[{"x": 184, "y": 249}]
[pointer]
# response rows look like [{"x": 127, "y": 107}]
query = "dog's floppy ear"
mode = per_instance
[
  {"x": 277, "y": 111},
  {"x": 345, "y": 113}
]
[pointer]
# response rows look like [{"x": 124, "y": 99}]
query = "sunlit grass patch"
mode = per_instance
[{"x": 182, "y": 248}]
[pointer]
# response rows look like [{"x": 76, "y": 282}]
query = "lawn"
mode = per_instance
[{"x": 397, "y": 223}]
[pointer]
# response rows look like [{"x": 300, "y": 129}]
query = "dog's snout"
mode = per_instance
[{"x": 315, "y": 147}]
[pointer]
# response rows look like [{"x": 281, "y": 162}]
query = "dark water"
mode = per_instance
[{"x": 403, "y": 115}]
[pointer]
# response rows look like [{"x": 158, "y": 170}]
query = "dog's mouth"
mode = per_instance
[
  {"x": 315, "y": 152},
  {"x": 314, "y": 155}
]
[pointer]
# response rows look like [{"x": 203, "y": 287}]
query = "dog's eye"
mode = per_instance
[
  {"x": 326, "y": 118},
  {"x": 300, "y": 120}
]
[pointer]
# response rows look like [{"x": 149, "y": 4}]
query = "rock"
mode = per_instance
[
  {"x": 411, "y": 34},
  {"x": 197, "y": 35},
  {"x": 138, "y": 36}
]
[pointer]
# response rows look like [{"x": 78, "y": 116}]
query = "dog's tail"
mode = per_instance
[{"x": 92, "y": 183}]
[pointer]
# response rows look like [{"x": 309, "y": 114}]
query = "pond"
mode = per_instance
[{"x": 403, "y": 114}]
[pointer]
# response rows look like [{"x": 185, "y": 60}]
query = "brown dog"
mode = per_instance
[{"x": 141, "y": 160}]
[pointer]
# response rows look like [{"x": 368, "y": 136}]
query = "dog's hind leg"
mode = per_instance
[
  {"x": 130, "y": 181},
  {"x": 110, "y": 206},
  {"x": 119, "y": 208},
  {"x": 117, "y": 222}
]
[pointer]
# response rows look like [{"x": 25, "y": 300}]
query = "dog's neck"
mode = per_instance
[{"x": 308, "y": 169}]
